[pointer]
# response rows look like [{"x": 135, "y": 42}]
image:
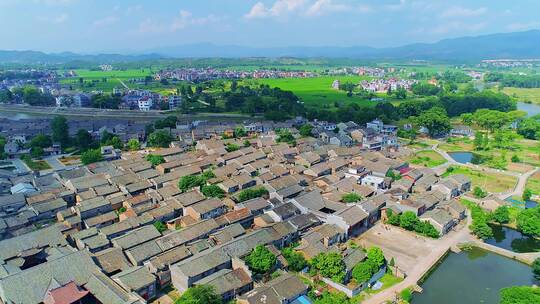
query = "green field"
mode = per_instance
[
  {"x": 488, "y": 181},
  {"x": 106, "y": 80},
  {"x": 317, "y": 91},
  {"x": 427, "y": 158},
  {"x": 524, "y": 94}
]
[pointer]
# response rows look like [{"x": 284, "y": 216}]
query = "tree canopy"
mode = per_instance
[
  {"x": 261, "y": 260},
  {"x": 199, "y": 294}
]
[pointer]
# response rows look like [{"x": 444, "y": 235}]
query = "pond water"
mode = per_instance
[
  {"x": 467, "y": 157},
  {"x": 512, "y": 239},
  {"x": 472, "y": 277},
  {"x": 531, "y": 109},
  {"x": 522, "y": 204},
  {"x": 461, "y": 157}
]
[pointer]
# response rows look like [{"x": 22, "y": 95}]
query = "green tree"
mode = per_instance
[
  {"x": 36, "y": 152},
  {"x": 212, "y": 191},
  {"x": 330, "y": 265},
  {"x": 155, "y": 160},
  {"x": 261, "y": 260},
  {"x": 527, "y": 194},
  {"x": 296, "y": 260},
  {"x": 478, "y": 192},
  {"x": 199, "y": 294},
  {"x": 305, "y": 130},
  {"x": 528, "y": 221},
  {"x": 189, "y": 181},
  {"x": 83, "y": 140},
  {"x": 520, "y": 295},
  {"x": 239, "y": 132},
  {"x": 351, "y": 197},
  {"x": 536, "y": 268},
  {"x": 406, "y": 295},
  {"x": 230, "y": 147},
  {"x": 375, "y": 255},
  {"x": 60, "y": 130},
  {"x": 481, "y": 229},
  {"x": 252, "y": 193},
  {"x": 501, "y": 215},
  {"x": 332, "y": 298},
  {"x": 160, "y": 138},
  {"x": 91, "y": 156},
  {"x": 133, "y": 144},
  {"x": 407, "y": 220},
  {"x": 435, "y": 120},
  {"x": 362, "y": 272}
]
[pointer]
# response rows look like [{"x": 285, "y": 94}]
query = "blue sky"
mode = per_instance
[{"x": 137, "y": 25}]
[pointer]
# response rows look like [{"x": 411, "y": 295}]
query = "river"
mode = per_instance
[{"x": 472, "y": 277}]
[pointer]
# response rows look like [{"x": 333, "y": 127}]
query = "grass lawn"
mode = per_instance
[
  {"x": 36, "y": 165},
  {"x": 524, "y": 94},
  {"x": 387, "y": 280},
  {"x": 427, "y": 158},
  {"x": 533, "y": 183},
  {"x": 317, "y": 91},
  {"x": 491, "y": 182}
]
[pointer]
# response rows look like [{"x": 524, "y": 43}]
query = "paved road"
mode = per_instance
[{"x": 520, "y": 186}]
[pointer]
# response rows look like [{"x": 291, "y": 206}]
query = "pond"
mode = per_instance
[
  {"x": 472, "y": 277},
  {"x": 530, "y": 108},
  {"x": 522, "y": 204},
  {"x": 512, "y": 239},
  {"x": 467, "y": 157}
]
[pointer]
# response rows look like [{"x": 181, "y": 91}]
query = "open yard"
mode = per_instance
[
  {"x": 488, "y": 181},
  {"x": 427, "y": 158},
  {"x": 407, "y": 248}
]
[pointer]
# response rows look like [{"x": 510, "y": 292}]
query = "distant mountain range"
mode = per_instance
[{"x": 516, "y": 45}]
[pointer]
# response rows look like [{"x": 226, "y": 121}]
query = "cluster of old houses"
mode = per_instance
[
  {"x": 91, "y": 233},
  {"x": 384, "y": 85}
]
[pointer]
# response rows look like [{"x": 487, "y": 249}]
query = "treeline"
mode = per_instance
[
  {"x": 453, "y": 104},
  {"x": 515, "y": 81},
  {"x": 276, "y": 104}
]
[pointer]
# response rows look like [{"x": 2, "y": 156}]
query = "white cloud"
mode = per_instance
[
  {"x": 105, "y": 21},
  {"x": 307, "y": 8},
  {"x": 280, "y": 8},
  {"x": 463, "y": 12},
  {"x": 321, "y": 7}
]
